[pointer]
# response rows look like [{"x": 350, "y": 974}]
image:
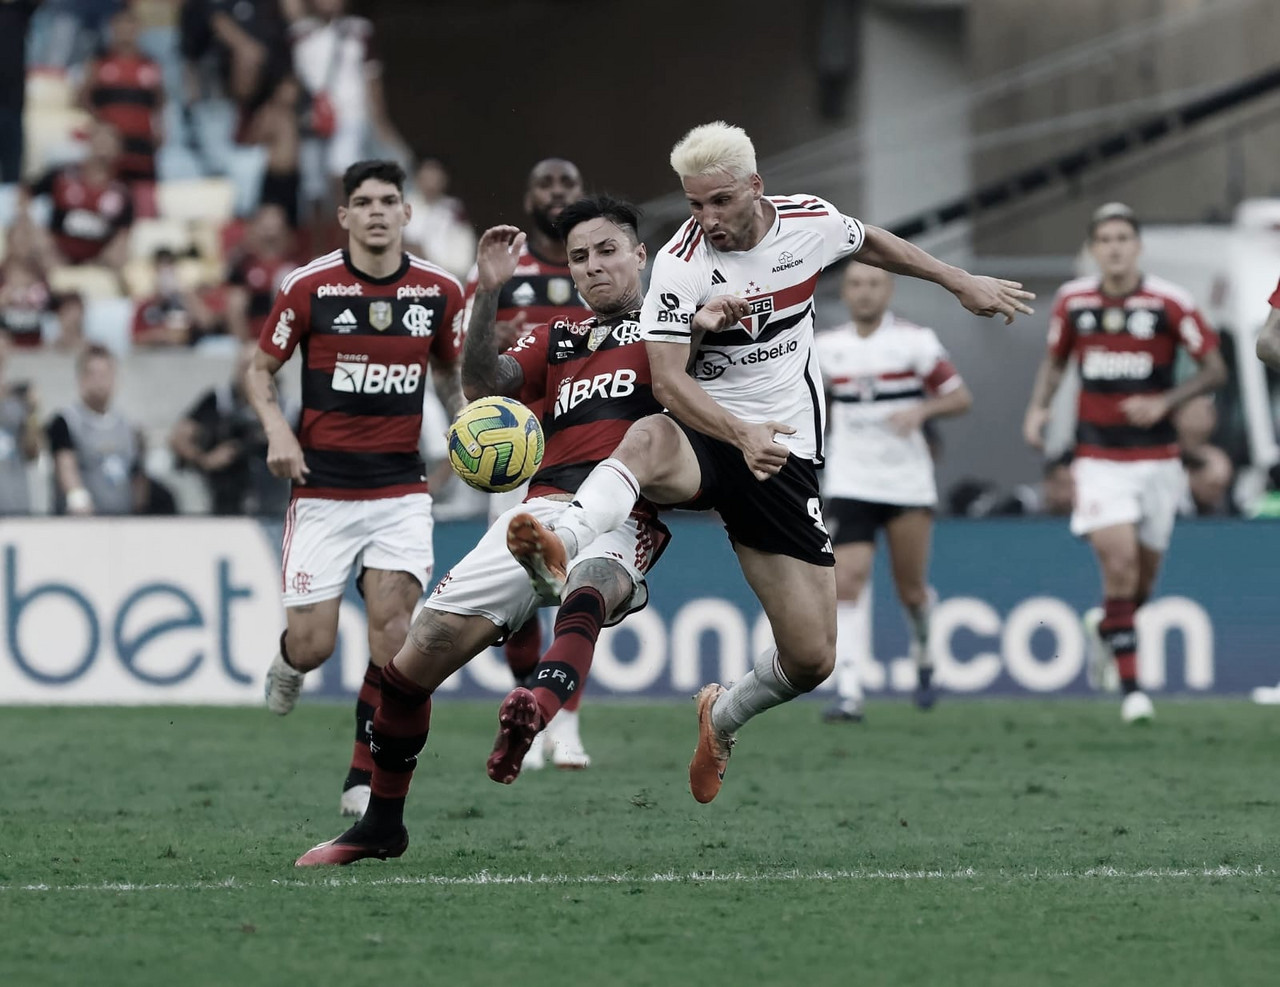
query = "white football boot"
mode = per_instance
[
  {"x": 284, "y": 683},
  {"x": 567, "y": 752},
  {"x": 1100, "y": 670},
  {"x": 355, "y": 801},
  {"x": 536, "y": 758},
  {"x": 1137, "y": 708}
]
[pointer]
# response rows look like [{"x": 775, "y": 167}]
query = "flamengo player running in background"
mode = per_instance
[
  {"x": 1124, "y": 328},
  {"x": 1268, "y": 349},
  {"x": 595, "y": 377},
  {"x": 370, "y": 320},
  {"x": 540, "y": 292},
  {"x": 744, "y": 269},
  {"x": 884, "y": 378}
]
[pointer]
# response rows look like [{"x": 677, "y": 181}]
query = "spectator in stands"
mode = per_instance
[
  {"x": 96, "y": 452},
  {"x": 176, "y": 315},
  {"x": 76, "y": 29},
  {"x": 335, "y": 57},
  {"x": 125, "y": 88},
  {"x": 92, "y": 208},
  {"x": 19, "y": 438},
  {"x": 24, "y": 301},
  {"x": 243, "y": 42},
  {"x": 69, "y": 308},
  {"x": 439, "y": 229},
  {"x": 262, "y": 263},
  {"x": 275, "y": 127},
  {"x": 221, "y": 438},
  {"x": 15, "y": 18}
]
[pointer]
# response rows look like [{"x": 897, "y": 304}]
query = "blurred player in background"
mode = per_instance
[
  {"x": 733, "y": 289},
  {"x": 885, "y": 378},
  {"x": 594, "y": 375},
  {"x": 370, "y": 320},
  {"x": 1268, "y": 349},
  {"x": 540, "y": 291},
  {"x": 1124, "y": 327}
]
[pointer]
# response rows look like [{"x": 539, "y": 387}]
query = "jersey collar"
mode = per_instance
[{"x": 355, "y": 272}]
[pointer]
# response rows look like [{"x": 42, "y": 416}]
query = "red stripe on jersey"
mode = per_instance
[
  {"x": 694, "y": 246},
  {"x": 807, "y": 213},
  {"x": 583, "y": 443},
  {"x": 353, "y": 493},
  {"x": 366, "y": 433},
  {"x": 897, "y": 375},
  {"x": 1104, "y": 409},
  {"x": 789, "y": 297},
  {"x": 683, "y": 243},
  {"x": 943, "y": 371},
  {"x": 1136, "y": 454}
]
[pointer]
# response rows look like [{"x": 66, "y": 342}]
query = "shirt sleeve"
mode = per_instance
[
  {"x": 59, "y": 435},
  {"x": 530, "y": 351},
  {"x": 1274, "y": 300},
  {"x": 841, "y": 235},
  {"x": 1062, "y": 333},
  {"x": 1194, "y": 332},
  {"x": 289, "y": 320},
  {"x": 446, "y": 345},
  {"x": 934, "y": 365},
  {"x": 676, "y": 291}
]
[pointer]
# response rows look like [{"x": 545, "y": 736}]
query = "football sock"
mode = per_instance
[
  {"x": 284, "y": 652},
  {"x": 852, "y": 651},
  {"x": 764, "y": 687},
  {"x": 366, "y": 703},
  {"x": 523, "y": 649},
  {"x": 602, "y": 503},
  {"x": 918, "y": 619},
  {"x": 562, "y": 672},
  {"x": 400, "y": 728},
  {"x": 1118, "y": 632}
]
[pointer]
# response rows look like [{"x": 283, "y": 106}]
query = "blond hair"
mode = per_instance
[{"x": 714, "y": 147}]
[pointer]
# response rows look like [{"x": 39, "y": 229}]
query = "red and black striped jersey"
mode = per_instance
[
  {"x": 127, "y": 91},
  {"x": 1125, "y": 345},
  {"x": 593, "y": 380},
  {"x": 86, "y": 216},
  {"x": 366, "y": 343},
  {"x": 542, "y": 291}
]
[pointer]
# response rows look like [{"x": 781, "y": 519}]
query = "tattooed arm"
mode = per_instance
[{"x": 484, "y": 370}]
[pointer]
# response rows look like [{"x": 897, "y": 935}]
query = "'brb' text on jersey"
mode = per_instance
[
  {"x": 763, "y": 369},
  {"x": 592, "y": 392},
  {"x": 366, "y": 344},
  {"x": 1125, "y": 346}
]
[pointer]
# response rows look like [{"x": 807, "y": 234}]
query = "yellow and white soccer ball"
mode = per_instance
[{"x": 495, "y": 444}]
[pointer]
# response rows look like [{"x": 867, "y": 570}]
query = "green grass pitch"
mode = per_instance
[{"x": 1014, "y": 843}]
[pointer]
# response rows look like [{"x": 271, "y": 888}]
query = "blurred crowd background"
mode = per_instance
[{"x": 164, "y": 164}]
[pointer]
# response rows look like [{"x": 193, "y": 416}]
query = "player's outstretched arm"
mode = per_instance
[
  {"x": 484, "y": 370},
  {"x": 284, "y": 454},
  {"x": 979, "y": 294},
  {"x": 1268, "y": 347}
]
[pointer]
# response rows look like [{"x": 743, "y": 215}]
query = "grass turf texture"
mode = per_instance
[{"x": 983, "y": 843}]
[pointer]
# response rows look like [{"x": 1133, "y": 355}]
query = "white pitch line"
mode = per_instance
[{"x": 485, "y": 878}]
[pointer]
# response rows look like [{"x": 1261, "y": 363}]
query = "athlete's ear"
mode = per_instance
[
  {"x": 408, "y": 210},
  {"x": 342, "y": 217},
  {"x": 757, "y": 186},
  {"x": 642, "y": 255}
]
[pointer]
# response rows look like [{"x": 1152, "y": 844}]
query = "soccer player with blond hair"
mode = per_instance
[{"x": 743, "y": 432}]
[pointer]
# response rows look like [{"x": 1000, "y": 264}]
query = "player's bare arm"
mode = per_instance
[
  {"x": 955, "y": 402},
  {"x": 1145, "y": 410},
  {"x": 284, "y": 454},
  {"x": 484, "y": 370},
  {"x": 1268, "y": 347},
  {"x": 1048, "y": 380},
  {"x": 979, "y": 294},
  {"x": 448, "y": 384}
]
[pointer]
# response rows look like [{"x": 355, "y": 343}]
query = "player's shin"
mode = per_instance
[
  {"x": 1118, "y": 631},
  {"x": 366, "y": 705},
  {"x": 602, "y": 503},
  {"x": 400, "y": 728},
  {"x": 764, "y": 687},
  {"x": 562, "y": 672},
  {"x": 523, "y": 648}
]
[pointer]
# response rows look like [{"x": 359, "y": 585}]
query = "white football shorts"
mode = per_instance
[
  {"x": 1144, "y": 492},
  {"x": 489, "y": 583},
  {"x": 323, "y": 539}
]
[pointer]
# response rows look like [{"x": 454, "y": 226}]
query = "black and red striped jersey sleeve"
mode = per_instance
[
  {"x": 446, "y": 345},
  {"x": 289, "y": 320},
  {"x": 1195, "y": 334},
  {"x": 530, "y": 351}
]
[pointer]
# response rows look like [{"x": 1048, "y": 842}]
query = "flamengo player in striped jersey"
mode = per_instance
[
  {"x": 594, "y": 376},
  {"x": 1268, "y": 349},
  {"x": 744, "y": 269},
  {"x": 884, "y": 378},
  {"x": 370, "y": 320},
  {"x": 540, "y": 291},
  {"x": 1124, "y": 327}
]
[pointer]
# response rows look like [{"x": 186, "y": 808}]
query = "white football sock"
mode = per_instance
[
  {"x": 853, "y": 646},
  {"x": 603, "y": 502},
  {"x": 918, "y": 620},
  {"x": 764, "y": 687}
]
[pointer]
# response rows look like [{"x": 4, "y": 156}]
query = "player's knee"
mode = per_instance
[
  {"x": 648, "y": 448},
  {"x": 913, "y": 594},
  {"x": 386, "y": 637},
  {"x": 809, "y": 667},
  {"x": 309, "y": 647}
]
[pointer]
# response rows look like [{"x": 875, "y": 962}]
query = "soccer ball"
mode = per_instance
[{"x": 495, "y": 444}]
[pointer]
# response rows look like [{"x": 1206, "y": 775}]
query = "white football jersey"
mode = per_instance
[
  {"x": 868, "y": 379},
  {"x": 763, "y": 369}
]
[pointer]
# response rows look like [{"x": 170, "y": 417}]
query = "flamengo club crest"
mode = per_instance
[
  {"x": 380, "y": 315},
  {"x": 559, "y": 291}
]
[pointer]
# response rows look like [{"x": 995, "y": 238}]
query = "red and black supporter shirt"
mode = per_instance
[
  {"x": 261, "y": 278},
  {"x": 540, "y": 289},
  {"x": 1125, "y": 346},
  {"x": 366, "y": 345},
  {"x": 86, "y": 217},
  {"x": 126, "y": 92},
  {"x": 593, "y": 378}
]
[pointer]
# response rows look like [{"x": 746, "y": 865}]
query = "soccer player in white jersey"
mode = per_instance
[
  {"x": 884, "y": 378},
  {"x": 743, "y": 434}
]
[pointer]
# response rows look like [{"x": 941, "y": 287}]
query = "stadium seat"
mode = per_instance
[
  {"x": 51, "y": 138},
  {"x": 86, "y": 280},
  {"x": 48, "y": 90},
  {"x": 200, "y": 198},
  {"x": 149, "y": 235}
]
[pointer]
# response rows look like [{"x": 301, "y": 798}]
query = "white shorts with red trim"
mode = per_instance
[
  {"x": 323, "y": 539},
  {"x": 489, "y": 583},
  {"x": 1143, "y": 492}
]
